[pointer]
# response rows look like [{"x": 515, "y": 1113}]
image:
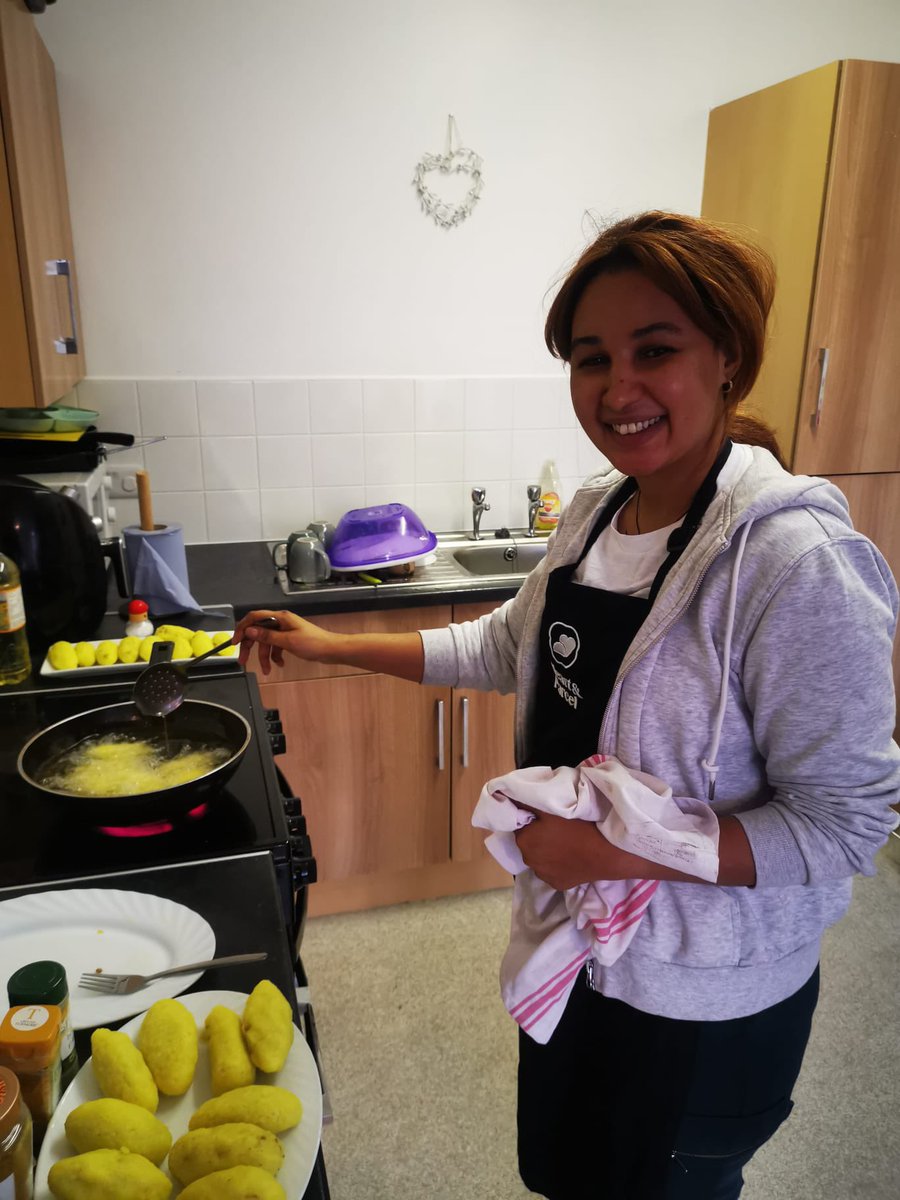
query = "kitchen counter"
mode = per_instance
[
  {"x": 243, "y": 575},
  {"x": 239, "y": 898}
]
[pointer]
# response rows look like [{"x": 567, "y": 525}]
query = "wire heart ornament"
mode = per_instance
[{"x": 458, "y": 161}]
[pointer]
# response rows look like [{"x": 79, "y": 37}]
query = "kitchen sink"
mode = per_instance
[
  {"x": 500, "y": 558},
  {"x": 457, "y": 565}
]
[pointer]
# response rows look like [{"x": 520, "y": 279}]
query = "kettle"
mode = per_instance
[
  {"x": 61, "y": 559},
  {"x": 303, "y": 557}
]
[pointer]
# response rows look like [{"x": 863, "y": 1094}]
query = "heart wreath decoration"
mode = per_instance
[{"x": 451, "y": 162}]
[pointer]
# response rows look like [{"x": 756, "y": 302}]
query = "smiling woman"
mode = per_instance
[{"x": 654, "y": 638}]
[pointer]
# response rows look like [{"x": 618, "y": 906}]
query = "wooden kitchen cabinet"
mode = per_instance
[
  {"x": 811, "y": 168},
  {"x": 385, "y": 778},
  {"x": 41, "y": 356}
]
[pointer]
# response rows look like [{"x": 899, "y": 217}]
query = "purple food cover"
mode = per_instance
[{"x": 383, "y": 533}]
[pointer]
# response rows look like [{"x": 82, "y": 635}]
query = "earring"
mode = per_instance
[{"x": 727, "y": 386}]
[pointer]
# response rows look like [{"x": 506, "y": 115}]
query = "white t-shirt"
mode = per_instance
[{"x": 627, "y": 563}]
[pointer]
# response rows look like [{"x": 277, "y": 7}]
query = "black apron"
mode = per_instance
[
  {"x": 585, "y": 634},
  {"x": 601, "y": 1103}
]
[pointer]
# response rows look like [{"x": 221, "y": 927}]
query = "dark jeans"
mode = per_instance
[{"x": 624, "y": 1105}]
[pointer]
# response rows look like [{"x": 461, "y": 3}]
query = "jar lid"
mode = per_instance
[
  {"x": 41, "y": 982},
  {"x": 30, "y": 1031},
  {"x": 138, "y": 608},
  {"x": 9, "y": 1101}
]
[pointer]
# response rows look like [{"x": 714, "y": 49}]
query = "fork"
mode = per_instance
[{"x": 124, "y": 985}]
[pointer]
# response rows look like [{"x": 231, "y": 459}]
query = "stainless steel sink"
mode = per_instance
[
  {"x": 458, "y": 564},
  {"x": 500, "y": 558}
]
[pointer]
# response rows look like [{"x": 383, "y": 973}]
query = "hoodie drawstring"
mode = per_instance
[{"x": 710, "y": 766}]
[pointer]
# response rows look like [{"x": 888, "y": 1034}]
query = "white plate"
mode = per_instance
[
  {"x": 120, "y": 932},
  {"x": 214, "y": 660},
  {"x": 298, "y": 1075}
]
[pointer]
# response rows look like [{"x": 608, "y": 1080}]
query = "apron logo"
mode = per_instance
[{"x": 564, "y": 644}]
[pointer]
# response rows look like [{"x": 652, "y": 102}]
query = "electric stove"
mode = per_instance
[{"x": 42, "y": 839}]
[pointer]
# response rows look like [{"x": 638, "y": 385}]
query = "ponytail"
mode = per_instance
[{"x": 742, "y": 427}]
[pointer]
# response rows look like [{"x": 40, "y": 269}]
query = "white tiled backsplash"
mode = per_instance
[{"x": 245, "y": 459}]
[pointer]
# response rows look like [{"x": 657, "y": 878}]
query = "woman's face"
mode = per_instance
[{"x": 646, "y": 383}]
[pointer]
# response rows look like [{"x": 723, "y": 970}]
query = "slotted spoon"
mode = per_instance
[{"x": 160, "y": 688}]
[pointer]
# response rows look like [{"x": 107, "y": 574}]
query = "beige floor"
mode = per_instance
[{"x": 419, "y": 1056}]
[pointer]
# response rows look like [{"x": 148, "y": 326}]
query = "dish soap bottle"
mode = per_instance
[
  {"x": 551, "y": 505},
  {"x": 15, "y": 661}
]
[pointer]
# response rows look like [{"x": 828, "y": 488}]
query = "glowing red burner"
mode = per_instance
[{"x": 153, "y": 829}]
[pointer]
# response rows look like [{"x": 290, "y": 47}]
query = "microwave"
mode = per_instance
[{"x": 89, "y": 489}]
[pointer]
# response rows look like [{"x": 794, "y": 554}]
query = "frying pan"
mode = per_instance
[{"x": 196, "y": 721}]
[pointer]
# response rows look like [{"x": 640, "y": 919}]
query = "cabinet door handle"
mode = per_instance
[
  {"x": 823, "y": 375},
  {"x": 64, "y": 345},
  {"x": 465, "y": 731},
  {"x": 440, "y": 734}
]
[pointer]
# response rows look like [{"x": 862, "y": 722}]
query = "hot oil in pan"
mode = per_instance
[{"x": 116, "y": 764}]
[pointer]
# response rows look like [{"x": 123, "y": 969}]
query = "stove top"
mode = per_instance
[{"x": 40, "y": 840}]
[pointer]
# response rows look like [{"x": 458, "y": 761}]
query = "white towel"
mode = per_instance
[{"x": 554, "y": 933}]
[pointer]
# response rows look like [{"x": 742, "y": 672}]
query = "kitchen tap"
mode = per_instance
[
  {"x": 478, "y": 509},
  {"x": 534, "y": 505}
]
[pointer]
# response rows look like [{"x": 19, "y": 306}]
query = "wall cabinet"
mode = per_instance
[
  {"x": 389, "y": 772},
  {"x": 811, "y": 169},
  {"x": 41, "y": 357}
]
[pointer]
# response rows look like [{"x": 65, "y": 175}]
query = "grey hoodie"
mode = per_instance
[{"x": 760, "y": 681}]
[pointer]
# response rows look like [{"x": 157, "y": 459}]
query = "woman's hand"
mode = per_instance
[
  {"x": 295, "y": 635},
  {"x": 564, "y": 853}
]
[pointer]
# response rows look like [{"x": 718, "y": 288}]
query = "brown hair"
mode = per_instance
[{"x": 724, "y": 283}]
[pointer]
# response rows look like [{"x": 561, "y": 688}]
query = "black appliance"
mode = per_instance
[
  {"x": 41, "y": 840},
  {"x": 62, "y": 561}
]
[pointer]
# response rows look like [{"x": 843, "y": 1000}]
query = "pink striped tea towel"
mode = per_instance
[{"x": 554, "y": 933}]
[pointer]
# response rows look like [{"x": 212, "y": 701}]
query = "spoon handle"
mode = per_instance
[{"x": 263, "y": 623}]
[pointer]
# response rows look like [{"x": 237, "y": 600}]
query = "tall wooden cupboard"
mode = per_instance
[
  {"x": 41, "y": 357},
  {"x": 810, "y": 168}
]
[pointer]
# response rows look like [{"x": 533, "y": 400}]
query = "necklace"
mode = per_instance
[{"x": 637, "y": 510}]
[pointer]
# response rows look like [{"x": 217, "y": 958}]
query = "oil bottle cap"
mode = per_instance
[
  {"x": 41, "y": 982},
  {"x": 9, "y": 1101}
]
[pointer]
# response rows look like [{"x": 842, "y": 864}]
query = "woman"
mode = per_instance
[{"x": 726, "y": 631}]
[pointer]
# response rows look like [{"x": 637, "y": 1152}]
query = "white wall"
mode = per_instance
[
  {"x": 258, "y": 283},
  {"x": 240, "y": 172}
]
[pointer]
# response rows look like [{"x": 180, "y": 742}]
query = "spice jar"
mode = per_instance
[
  {"x": 139, "y": 623},
  {"x": 29, "y": 1047},
  {"x": 15, "y": 1140},
  {"x": 45, "y": 983}
]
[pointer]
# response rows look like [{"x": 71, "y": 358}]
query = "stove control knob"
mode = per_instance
[
  {"x": 271, "y": 714},
  {"x": 278, "y": 742},
  {"x": 274, "y": 727},
  {"x": 304, "y": 872},
  {"x": 297, "y": 825},
  {"x": 301, "y": 846},
  {"x": 292, "y": 807}
]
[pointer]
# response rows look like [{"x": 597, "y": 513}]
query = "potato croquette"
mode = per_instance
[
  {"x": 240, "y": 1145},
  {"x": 229, "y": 1062},
  {"x": 108, "y": 1175},
  {"x": 118, "y": 1125},
  {"x": 168, "y": 1040},
  {"x": 237, "y": 1183},
  {"x": 120, "y": 1070},
  {"x": 268, "y": 1027},
  {"x": 272, "y": 1108}
]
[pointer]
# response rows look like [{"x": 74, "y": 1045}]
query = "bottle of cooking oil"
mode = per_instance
[{"x": 15, "y": 662}]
